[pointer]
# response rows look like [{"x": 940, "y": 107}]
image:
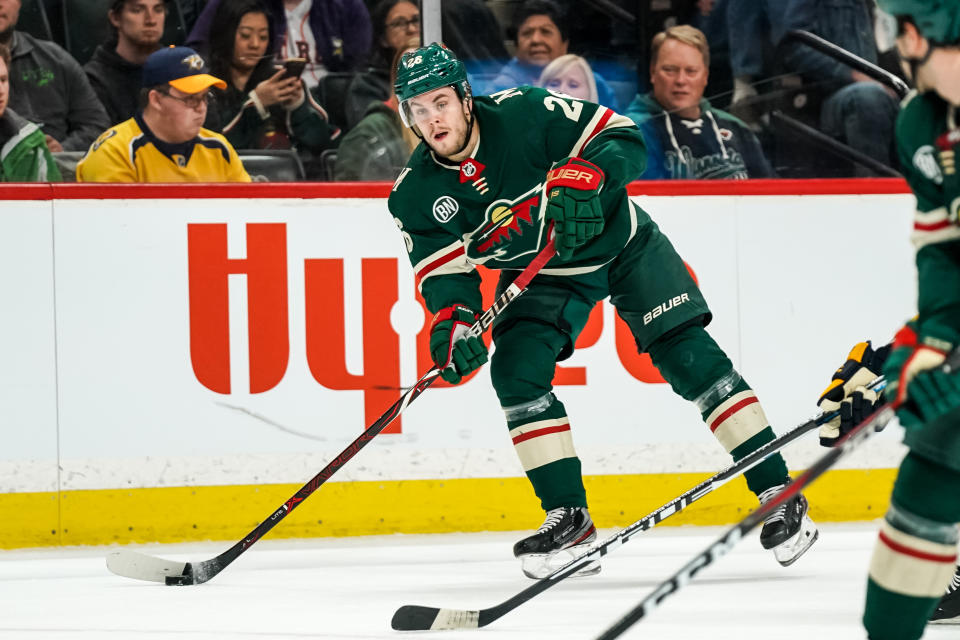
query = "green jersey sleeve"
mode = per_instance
[{"x": 443, "y": 275}]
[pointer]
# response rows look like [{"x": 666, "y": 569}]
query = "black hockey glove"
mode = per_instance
[
  {"x": 848, "y": 392},
  {"x": 572, "y": 189}
]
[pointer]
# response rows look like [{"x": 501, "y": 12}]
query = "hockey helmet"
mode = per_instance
[
  {"x": 937, "y": 20},
  {"x": 431, "y": 67}
]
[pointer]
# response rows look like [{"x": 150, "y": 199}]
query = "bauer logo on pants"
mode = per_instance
[{"x": 663, "y": 307}]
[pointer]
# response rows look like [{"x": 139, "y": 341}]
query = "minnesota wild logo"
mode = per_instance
[{"x": 510, "y": 229}]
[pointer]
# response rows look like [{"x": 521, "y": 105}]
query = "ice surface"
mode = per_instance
[{"x": 349, "y": 588}]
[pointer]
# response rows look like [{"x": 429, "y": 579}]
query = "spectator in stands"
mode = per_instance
[
  {"x": 165, "y": 142},
  {"x": 24, "y": 156},
  {"x": 49, "y": 88},
  {"x": 262, "y": 107},
  {"x": 379, "y": 146},
  {"x": 856, "y": 109},
  {"x": 394, "y": 22},
  {"x": 333, "y": 35},
  {"x": 572, "y": 75},
  {"x": 115, "y": 68},
  {"x": 686, "y": 137},
  {"x": 542, "y": 36}
]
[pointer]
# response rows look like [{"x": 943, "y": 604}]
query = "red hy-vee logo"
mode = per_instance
[{"x": 506, "y": 221}]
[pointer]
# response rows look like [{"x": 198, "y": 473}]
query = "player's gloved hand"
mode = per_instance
[
  {"x": 572, "y": 189},
  {"x": 912, "y": 357},
  {"x": 848, "y": 394},
  {"x": 455, "y": 352}
]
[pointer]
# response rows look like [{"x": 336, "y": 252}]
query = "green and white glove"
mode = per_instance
[
  {"x": 848, "y": 394},
  {"x": 455, "y": 352},
  {"x": 573, "y": 203},
  {"x": 916, "y": 390}
]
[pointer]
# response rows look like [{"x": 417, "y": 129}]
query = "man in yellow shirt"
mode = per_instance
[{"x": 165, "y": 142}]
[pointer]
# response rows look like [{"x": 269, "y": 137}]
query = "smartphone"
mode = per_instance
[{"x": 294, "y": 67}]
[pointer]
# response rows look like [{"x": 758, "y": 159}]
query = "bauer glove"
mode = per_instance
[
  {"x": 848, "y": 393},
  {"x": 573, "y": 203},
  {"x": 911, "y": 387},
  {"x": 455, "y": 352}
]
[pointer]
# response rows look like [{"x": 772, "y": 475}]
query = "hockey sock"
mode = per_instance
[
  {"x": 914, "y": 557},
  {"x": 522, "y": 369},
  {"x": 698, "y": 370}
]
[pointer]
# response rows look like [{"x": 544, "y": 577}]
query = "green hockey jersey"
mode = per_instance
[
  {"x": 488, "y": 209},
  {"x": 927, "y": 141},
  {"x": 24, "y": 156}
]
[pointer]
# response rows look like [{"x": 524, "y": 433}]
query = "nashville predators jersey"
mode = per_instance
[
  {"x": 129, "y": 152},
  {"x": 489, "y": 208}
]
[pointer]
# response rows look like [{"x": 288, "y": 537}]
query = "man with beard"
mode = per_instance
[
  {"x": 165, "y": 142},
  {"x": 115, "y": 68},
  {"x": 48, "y": 87},
  {"x": 491, "y": 177}
]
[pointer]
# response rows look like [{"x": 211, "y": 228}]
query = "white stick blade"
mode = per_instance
[{"x": 139, "y": 566}]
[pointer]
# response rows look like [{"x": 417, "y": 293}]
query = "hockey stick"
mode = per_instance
[
  {"x": 419, "y": 618},
  {"x": 132, "y": 564},
  {"x": 854, "y": 438}
]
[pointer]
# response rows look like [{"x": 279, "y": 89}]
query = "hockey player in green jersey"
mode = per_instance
[
  {"x": 489, "y": 179},
  {"x": 914, "y": 557}
]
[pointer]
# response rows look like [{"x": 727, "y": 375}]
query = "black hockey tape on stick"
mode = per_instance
[
  {"x": 854, "y": 438},
  {"x": 139, "y": 566},
  {"x": 840, "y": 54},
  {"x": 420, "y": 618}
]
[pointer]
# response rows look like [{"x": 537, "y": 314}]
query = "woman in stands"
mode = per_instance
[
  {"x": 264, "y": 106},
  {"x": 379, "y": 146},
  {"x": 572, "y": 75},
  {"x": 24, "y": 156}
]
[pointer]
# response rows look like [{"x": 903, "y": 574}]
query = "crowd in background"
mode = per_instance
[{"x": 302, "y": 89}]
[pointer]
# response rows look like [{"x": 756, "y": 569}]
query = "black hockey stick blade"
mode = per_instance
[
  {"x": 419, "y": 618},
  {"x": 139, "y": 566}
]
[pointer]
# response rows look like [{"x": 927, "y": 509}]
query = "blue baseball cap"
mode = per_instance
[{"x": 180, "y": 67}]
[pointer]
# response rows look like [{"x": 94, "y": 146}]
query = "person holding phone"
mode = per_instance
[{"x": 265, "y": 105}]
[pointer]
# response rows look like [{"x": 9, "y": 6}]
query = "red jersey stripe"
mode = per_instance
[
  {"x": 597, "y": 129},
  {"x": 439, "y": 262},
  {"x": 732, "y": 410},
  {"x": 536, "y": 433},
  {"x": 922, "y": 555}
]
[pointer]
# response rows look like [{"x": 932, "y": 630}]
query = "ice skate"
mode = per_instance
[
  {"x": 948, "y": 609},
  {"x": 566, "y": 533},
  {"x": 788, "y": 531}
]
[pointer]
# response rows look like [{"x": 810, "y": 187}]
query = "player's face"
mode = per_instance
[
  {"x": 442, "y": 119},
  {"x": 571, "y": 81},
  {"x": 140, "y": 22},
  {"x": 401, "y": 24},
  {"x": 9, "y": 14},
  {"x": 539, "y": 41},
  {"x": 250, "y": 40},
  {"x": 679, "y": 78},
  {"x": 4, "y": 86}
]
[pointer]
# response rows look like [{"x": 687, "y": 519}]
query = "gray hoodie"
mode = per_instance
[{"x": 48, "y": 87}]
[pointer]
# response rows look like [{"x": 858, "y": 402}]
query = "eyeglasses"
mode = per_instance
[
  {"x": 193, "y": 101},
  {"x": 402, "y": 24}
]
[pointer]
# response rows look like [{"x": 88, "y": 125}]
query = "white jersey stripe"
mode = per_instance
[{"x": 911, "y": 566}]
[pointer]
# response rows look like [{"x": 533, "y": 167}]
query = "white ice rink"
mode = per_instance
[{"x": 349, "y": 588}]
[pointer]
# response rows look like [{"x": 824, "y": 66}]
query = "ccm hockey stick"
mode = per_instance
[
  {"x": 854, "y": 438},
  {"x": 419, "y": 618},
  {"x": 132, "y": 564}
]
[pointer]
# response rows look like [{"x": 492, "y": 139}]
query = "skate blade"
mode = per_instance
[
  {"x": 789, "y": 551},
  {"x": 945, "y": 621},
  {"x": 540, "y": 565}
]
